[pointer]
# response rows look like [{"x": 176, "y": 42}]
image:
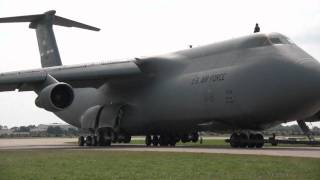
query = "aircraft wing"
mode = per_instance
[{"x": 91, "y": 75}]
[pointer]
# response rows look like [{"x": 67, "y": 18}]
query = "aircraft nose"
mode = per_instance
[
  {"x": 308, "y": 72},
  {"x": 306, "y": 80}
]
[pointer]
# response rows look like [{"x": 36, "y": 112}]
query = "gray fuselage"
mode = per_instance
[{"x": 249, "y": 83}]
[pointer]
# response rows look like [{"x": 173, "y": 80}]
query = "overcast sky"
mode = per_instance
[{"x": 139, "y": 28}]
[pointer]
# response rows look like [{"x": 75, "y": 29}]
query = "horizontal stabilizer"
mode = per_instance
[
  {"x": 56, "y": 20},
  {"x": 15, "y": 19},
  {"x": 69, "y": 23}
]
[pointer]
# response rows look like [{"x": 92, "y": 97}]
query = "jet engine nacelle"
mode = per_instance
[{"x": 55, "y": 97}]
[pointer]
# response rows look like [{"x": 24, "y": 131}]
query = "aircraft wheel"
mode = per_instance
[
  {"x": 88, "y": 140},
  {"x": 260, "y": 140},
  {"x": 120, "y": 141},
  {"x": 252, "y": 139},
  {"x": 163, "y": 141},
  {"x": 177, "y": 138},
  {"x": 101, "y": 140},
  {"x": 155, "y": 140},
  {"x": 172, "y": 141},
  {"x": 108, "y": 142},
  {"x": 195, "y": 137},
  {"x": 234, "y": 140},
  {"x": 94, "y": 141},
  {"x": 81, "y": 141},
  {"x": 127, "y": 139},
  {"x": 148, "y": 140},
  {"x": 115, "y": 138},
  {"x": 184, "y": 138},
  {"x": 243, "y": 140}
]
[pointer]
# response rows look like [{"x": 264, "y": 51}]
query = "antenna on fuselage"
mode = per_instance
[{"x": 42, "y": 23}]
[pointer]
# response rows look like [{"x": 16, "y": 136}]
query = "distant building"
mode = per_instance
[
  {"x": 5, "y": 132},
  {"x": 20, "y": 134},
  {"x": 41, "y": 129}
]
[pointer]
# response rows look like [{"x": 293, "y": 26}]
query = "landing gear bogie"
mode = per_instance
[
  {"x": 244, "y": 140},
  {"x": 170, "y": 139}
]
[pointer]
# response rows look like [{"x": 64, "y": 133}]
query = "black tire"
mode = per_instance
[
  {"x": 252, "y": 141},
  {"x": 243, "y": 140},
  {"x": 195, "y": 137},
  {"x": 101, "y": 140},
  {"x": 185, "y": 138},
  {"x": 115, "y": 138},
  {"x": 127, "y": 139},
  {"x": 234, "y": 140},
  {"x": 172, "y": 141},
  {"x": 148, "y": 140},
  {"x": 107, "y": 142},
  {"x": 88, "y": 141},
  {"x": 94, "y": 141},
  {"x": 155, "y": 140},
  {"x": 81, "y": 141},
  {"x": 177, "y": 139},
  {"x": 164, "y": 140},
  {"x": 260, "y": 140}
]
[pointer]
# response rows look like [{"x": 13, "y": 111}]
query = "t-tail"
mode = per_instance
[{"x": 42, "y": 23}]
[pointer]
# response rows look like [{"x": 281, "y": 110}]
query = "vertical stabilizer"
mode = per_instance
[
  {"x": 48, "y": 47},
  {"x": 43, "y": 23}
]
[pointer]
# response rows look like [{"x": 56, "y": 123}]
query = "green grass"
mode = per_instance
[{"x": 90, "y": 164}]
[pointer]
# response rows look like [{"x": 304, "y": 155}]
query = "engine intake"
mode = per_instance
[{"x": 55, "y": 97}]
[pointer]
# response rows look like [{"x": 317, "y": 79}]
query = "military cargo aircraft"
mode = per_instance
[{"x": 243, "y": 85}]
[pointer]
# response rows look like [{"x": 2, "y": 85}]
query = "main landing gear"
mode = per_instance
[
  {"x": 162, "y": 140},
  {"x": 170, "y": 140},
  {"x": 92, "y": 141},
  {"x": 103, "y": 140},
  {"x": 243, "y": 140}
]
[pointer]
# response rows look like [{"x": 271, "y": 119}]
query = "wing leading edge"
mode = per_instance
[{"x": 80, "y": 76}]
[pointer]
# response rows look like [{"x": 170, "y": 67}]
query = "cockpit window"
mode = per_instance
[
  {"x": 280, "y": 40},
  {"x": 276, "y": 41}
]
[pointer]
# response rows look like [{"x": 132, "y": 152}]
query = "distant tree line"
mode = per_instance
[
  {"x": 26, "y": 131},
  {"x": 23, "y": 128}
]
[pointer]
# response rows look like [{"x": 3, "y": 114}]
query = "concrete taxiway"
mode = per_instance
[{"x": 69, "y": 143}]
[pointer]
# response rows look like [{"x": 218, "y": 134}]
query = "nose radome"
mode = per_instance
[{"x": 308, "y": 85}]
